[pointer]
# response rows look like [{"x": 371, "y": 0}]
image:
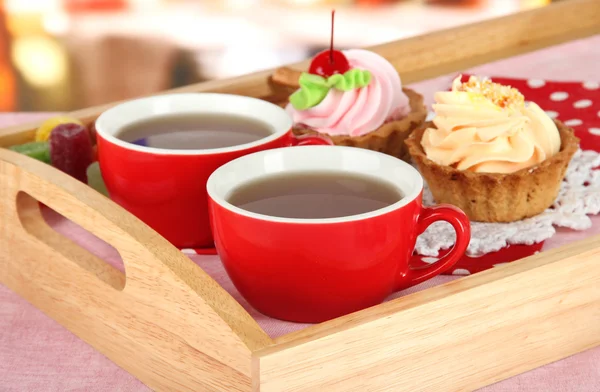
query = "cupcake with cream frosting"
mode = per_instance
[
  {"x": 362, "y": 105},
  {"x": 490, "y": 153}
]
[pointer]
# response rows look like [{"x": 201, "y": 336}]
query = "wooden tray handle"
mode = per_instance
[
  {"x": 166, "y": 307},
  {"x": 34, "y": 190},
  {"x": 90, "y": 210}
]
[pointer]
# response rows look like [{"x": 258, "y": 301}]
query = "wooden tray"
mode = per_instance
[{"x": 169, "y": 324}]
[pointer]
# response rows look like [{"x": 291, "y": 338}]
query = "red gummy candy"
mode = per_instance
[{"x": 71, "y": 150}]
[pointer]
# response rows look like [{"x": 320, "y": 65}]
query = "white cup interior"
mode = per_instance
[
  {"x": 116, "y": 118},
  {"x": 230, "y": 176}
]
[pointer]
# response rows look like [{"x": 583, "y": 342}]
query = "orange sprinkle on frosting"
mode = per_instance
[{"x": 506, "y": 97}]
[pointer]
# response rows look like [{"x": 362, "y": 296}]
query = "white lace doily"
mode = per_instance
[{"x": 579, "y": 196}]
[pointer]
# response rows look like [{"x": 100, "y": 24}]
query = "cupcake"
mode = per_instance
[
  {"x": 355, "y": 97},
  {"x": 490, "y": 153}
]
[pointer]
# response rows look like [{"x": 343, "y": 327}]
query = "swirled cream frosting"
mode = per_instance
[
  {"x": 482, "y": 126},
  {"x": 362, "y": 100}
]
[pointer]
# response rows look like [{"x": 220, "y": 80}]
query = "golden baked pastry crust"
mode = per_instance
[
  {"x": 390, "y": 137},
  {"x": 496, "y": 197}
]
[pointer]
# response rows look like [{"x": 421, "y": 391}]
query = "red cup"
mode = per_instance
[
  {"x": 167, "y": 188},
  {"x": 312, "y": 270}
]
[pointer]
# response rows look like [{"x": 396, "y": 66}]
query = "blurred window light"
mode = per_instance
[
  {"x": 535, "y": 3},
  {"x": 241, "y": 60},
  {"x": 143, "y": 4},
  {"x": 240, "y": 4},
  {"x": 57, "y": 23},
  {"x": 31, "y": 6},
  {"x": 304, "y": 2},
  {"x": 40, "y": 60}
]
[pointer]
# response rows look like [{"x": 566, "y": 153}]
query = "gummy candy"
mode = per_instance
[
  {"x": 95, "y": 180},
  {"x": 71, "y": 150},
  {"x": 92, "y": 129},
  {"x": 43, "y": 132},
  {"x": 35, "y": 150}
]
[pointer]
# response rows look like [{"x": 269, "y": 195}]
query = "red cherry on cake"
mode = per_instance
[{"x": 329, "y": 62}]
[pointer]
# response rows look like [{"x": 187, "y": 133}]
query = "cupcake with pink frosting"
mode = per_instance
[
  {"x": 490, "y": 153},
  {"x": 355, "y": 97}
]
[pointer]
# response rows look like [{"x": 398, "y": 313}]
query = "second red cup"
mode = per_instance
[{"x": 294, "y": 267}]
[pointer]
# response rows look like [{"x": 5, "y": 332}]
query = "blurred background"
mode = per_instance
[{"x": 59, "y": 55}]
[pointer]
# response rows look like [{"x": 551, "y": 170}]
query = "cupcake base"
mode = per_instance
[
  {"x": 390, "y": 137},
  {"x": 496, "y": 197}
]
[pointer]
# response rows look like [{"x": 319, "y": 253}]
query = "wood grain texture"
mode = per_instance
[
  {"x": 417, "y": 58},
  {"x": 456, "y": 337},
  {"x": 167, "y": 321}
]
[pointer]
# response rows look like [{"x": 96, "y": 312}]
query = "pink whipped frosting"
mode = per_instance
[{"x": 358, "y": 112}]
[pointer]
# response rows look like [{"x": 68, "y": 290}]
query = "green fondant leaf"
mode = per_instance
[
  {"x": 351, "y": 80},
  {"x": 307, "y": 79},
  {"x": 314, "y": 88}
]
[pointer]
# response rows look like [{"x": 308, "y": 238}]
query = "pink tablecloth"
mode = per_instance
[{"x": 37, "y": 354}]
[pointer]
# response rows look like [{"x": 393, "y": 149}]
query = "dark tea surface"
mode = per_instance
[
  {"x": 195, "y": 131},
  {"x": 314, "y": 195}
]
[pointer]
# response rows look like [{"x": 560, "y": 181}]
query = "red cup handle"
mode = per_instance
[
  {"x": 310, "y": 140},
  {"x": 461, "y": 225}
]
